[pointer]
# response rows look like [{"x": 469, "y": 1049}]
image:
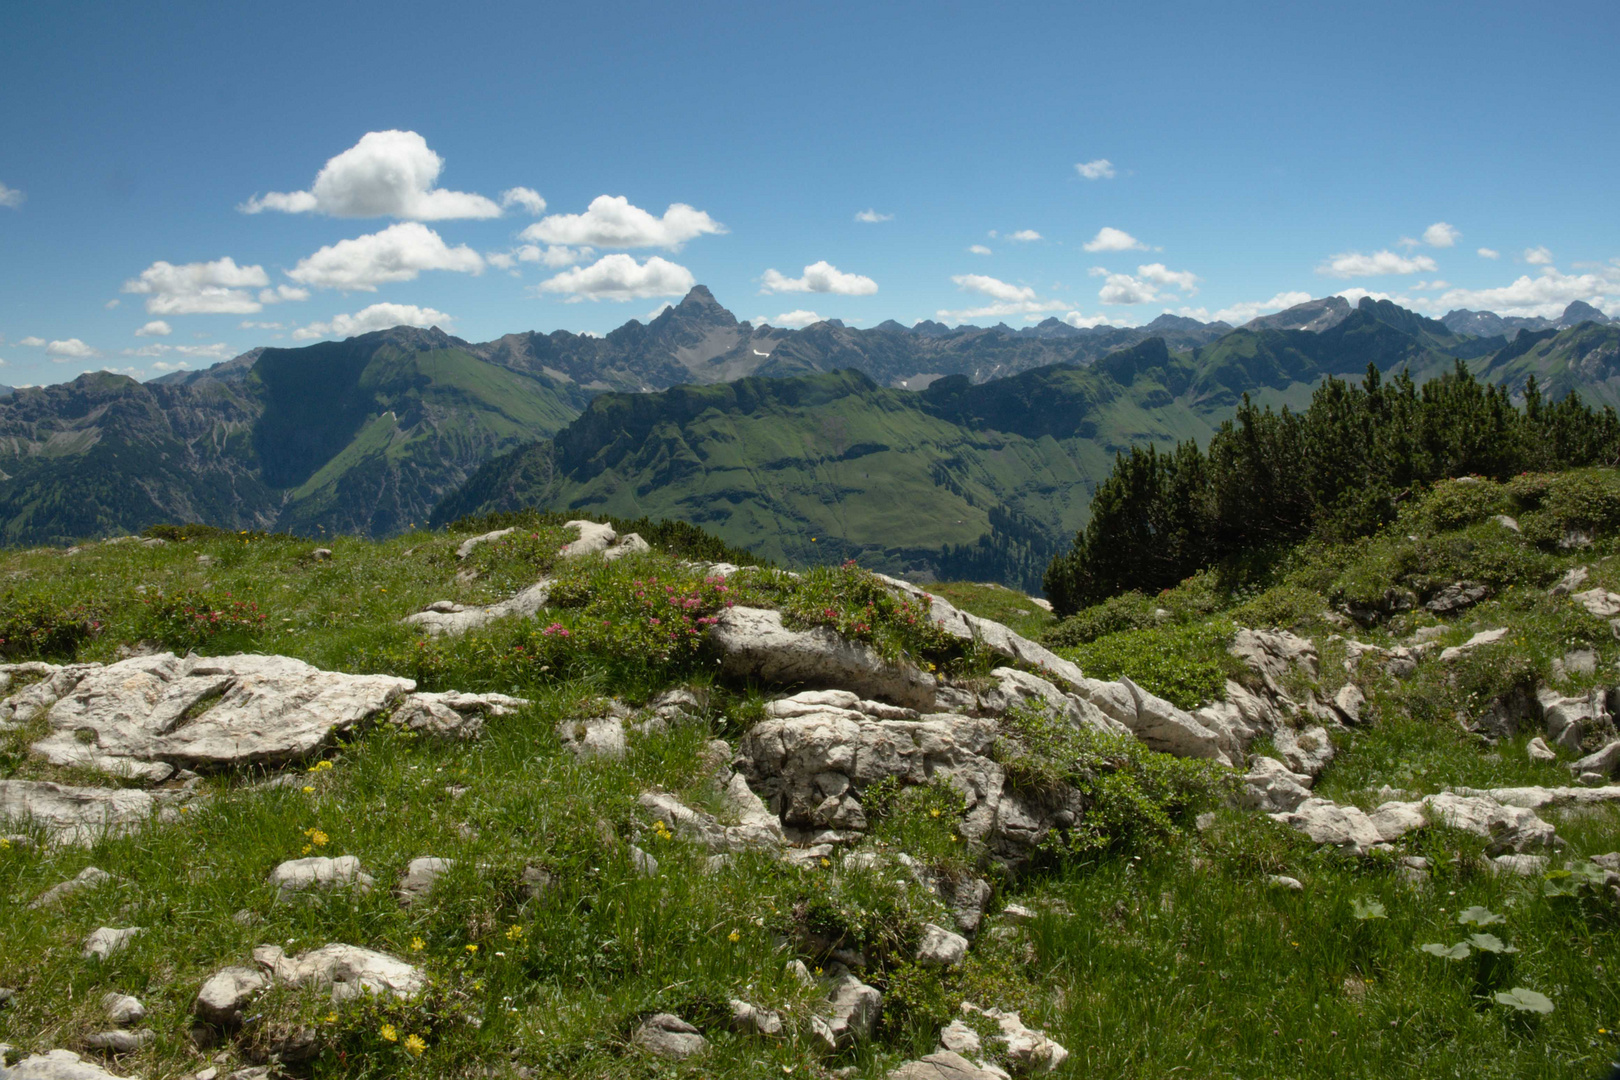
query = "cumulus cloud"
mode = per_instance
[
  {"x": 155, "y": 328},
  {"x": 1125, "y": 289},
  {"x": 979, "y": 249},
  {"x": 1111, "y": 239},
  {"x": 1085, "y": 322},
  {"x": 1243, "y": 311},
  {"x": 1101, "y": 169},
  {"x": 248, "y": 324},
  {"x": 872, "y": 217},
  {"x": 1024, "y": 236},
  {"x": 611, "y": 222},
  {"x": 1354, "y": 264},
  {"x": 217, "y": 350},
  {"x": 1159, "y": 274},
  {"x": 820, "y": 277},
  {"x": 281, "y": 293},
  {"x": 69, "y": 349},
  {"x": 1546, "y": 294},
  {"x": 114, "y": 302},
  {"x": 620, "y": 277},
  {"x": 555, "y": 255},
  {"x": 524, "y": 198},
  {"x": 32, "y": 342},
  {"x": 385, "y": 174},
  {"x": 398, "y": 253},
  {"x": 1441, "y": 235},
  {"x": 201, "y": 288},
  {"x": 1416, "y": 303},
  {"x": 792, "y": 320},
  {"x": 1489, "y": 253},
  {"x": 1008, "y": 299},
  {"x": 375, "y": 317},
  {"x": 10, "y": 196},
  {"x": 1538, "y": 256}
]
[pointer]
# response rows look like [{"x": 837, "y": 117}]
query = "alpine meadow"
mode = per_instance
[{"x": 890, "y": 543}]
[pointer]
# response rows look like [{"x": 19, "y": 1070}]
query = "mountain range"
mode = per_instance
[{"x": 965, "y": 451}]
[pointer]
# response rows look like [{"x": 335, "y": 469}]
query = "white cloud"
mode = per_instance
[
  {"x": 502, "y": 260},
  {"x": 1024, "y": 236},
  {"x": 872, "y": 217},
  {"x": 109, "y": 305},
  {"x": 611, "y": 222},
  {"x": 1125, "y": 289},
  {"x": 385, "y": 174},
  {"x": 251, "y": 325},
  {"x": 1010, "y": 299},
  {"x": 1546, "y": 294},
  {"x": 620, "y": 277},
  {"x": 281, "y": 293},
  {"x": 10, "y": 196},
  {"x": 1538, "y": 256},
  {"x": 178, "y": 365},
  {"x": 979, "y": 249},
  {"x": 792, "y": 320},
  {"x": 526, "y": 198},
  {"x": 1416, "y": 303},
  {"x": 1441, "y": 235},
  {"x": 1111, "y": 239},
  {"x": 375, "y": 317},
  {"x": 1159, "y": 274},
  {"x": 659, "y": 310},
  {"x": 820, "y": 277},
  {"x": 155, "y": 328},
  {"x": 1354, "y": 264},
  {"x": 201, "y": 288},
  {"x": 70, "y": 349},
  {"x": 1086, "y": 322},
  {"x": 217, "y": 350},
  {"x": 554, "y": 256},
  {"x": 1101, "y": 169},
  {"x": 1241, "y": 312},
  {"x": 1489, "y": 253},
  {"x": 32, "y": 342},
  {"x": 398, "y": 253}
]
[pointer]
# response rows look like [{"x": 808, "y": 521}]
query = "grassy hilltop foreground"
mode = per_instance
[{"x": 1151, "y": 918}]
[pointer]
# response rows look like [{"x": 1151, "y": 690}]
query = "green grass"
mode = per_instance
[{"x": 1158, "y": 949}]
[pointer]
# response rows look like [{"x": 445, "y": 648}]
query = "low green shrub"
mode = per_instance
[
  {"x": 1452, "y": 504},
  {"x": 191, "y": 618},
  {"x": 1127, "y": 611},
  {"x": 1185, "y": 664},
  {"x": 35, "y": 626}
]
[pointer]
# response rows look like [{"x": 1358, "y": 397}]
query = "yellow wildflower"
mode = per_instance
[
  {"x": 309, "y": 789},
  {"x": 306, "y": 850},
  {"x": 414, "y": 1045},
  {"x": 331, "y": 1018},
  {"x": 934, "y": 812},
  {"x": 388, "y": 1033},
  {"x": 320, "y": 766},
  {"x": 317, "y": 837},
  {"x": 514, "y": 933},
  {"x": 417, "y": 944},
  {"x": 472, "y": 948},
  {"x": 734, "y": 936},
  {"x": 5, "y": 845}
]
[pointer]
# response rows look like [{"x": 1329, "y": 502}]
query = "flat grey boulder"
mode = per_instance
[
  {"x": 147, "y": 715},
  {"x": 749, "y": 1019},
  {"x": 942, "y": 1065},
  {"x": 1538, "y": 750},
  {"x": 1569, "y": 719},
  {"x": 226, "y": 993},
  {"x": 599, "y": 736},
  {"x": 853, "y": 1009},
  {"x": 88, "y": 878},
  {"x": 448, "y": 618},
  {"x": 465, "y": 548},
  {"x": 755, "y": 828},
  {"x": 1507, "y": 827},
  {"x": 122, "y": 1009},
  {"x": 1326, "y": 822},
  {"x": 1273, "y": 787},
  {"x": 941, "y": 947},
  {"x": 1273, "y": 655},
  {"x": 1479, "y": 640},
  {"x": 1027, "y": 1050},
  {"x": 1016, "y": 688},
  {"x": 56, "y": 1065},
  {"x": 1308, "y": 751},
  {"x": 754, "y": 644},
  {"x": 108, "y": 940},
  {"x": 348, "y": 969},
  {"x": 667, "y": 1035},
  {"x": 119, "y": 1042},
  {"x": 420, "y": 877},
  {"x": 454, "y": 714},
  {"x": 1599, "y": 602},
  {"x": 319, "y": 872},
  {"x": 77, "y": 815},
  {"x": 1605, "y": 762}
]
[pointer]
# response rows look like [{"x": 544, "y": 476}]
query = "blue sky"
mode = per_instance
[{"x": 1089, "y": 162}]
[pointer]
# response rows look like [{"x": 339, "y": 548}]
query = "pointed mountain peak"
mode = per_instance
[
  {"x": 700, "y": 302},
  {"x": 1580, "y": 311}
]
